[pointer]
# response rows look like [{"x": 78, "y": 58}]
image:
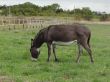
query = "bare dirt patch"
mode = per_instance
[{"x": 6, "y": 79}]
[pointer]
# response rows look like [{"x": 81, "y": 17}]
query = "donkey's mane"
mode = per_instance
[{"x": 40, "y": 31}]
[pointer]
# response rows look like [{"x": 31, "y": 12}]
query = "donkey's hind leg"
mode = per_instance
[
  {"x": 87, "y": 48},
  {"x": 79, "y": 52}
]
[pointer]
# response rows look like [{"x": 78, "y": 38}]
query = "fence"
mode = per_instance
[
  {"x": 14, "y": 22},
  {"x": 35, "y": 22}
]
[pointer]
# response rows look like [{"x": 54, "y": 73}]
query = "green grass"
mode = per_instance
[{"x": 16, "y": 66}]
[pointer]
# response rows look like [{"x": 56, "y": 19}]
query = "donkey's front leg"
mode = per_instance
[
  {"x": 49, "y": 50},
  {"x": 54, "y": 52}
]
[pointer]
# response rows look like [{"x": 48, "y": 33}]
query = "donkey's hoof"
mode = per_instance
[
  {"x": 92, "y": 62},
  {"x": 56, "y": 60},
  {"x": 47, "y": 60}
]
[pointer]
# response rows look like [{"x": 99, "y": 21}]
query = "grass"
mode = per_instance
[{"x": 16, "y": 66}]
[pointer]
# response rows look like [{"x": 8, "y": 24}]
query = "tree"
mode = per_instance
[
  {"x": 55, "y": 6},
  {"x": 60, "y": 10},
  {"x": 77, "y": 14},
  {"x": 104, "y": 17},
  {"x": 30, "y": 9},
  {"x": 87, "y": 13}
]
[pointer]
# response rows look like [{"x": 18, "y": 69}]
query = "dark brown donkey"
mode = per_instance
[{"x": 61, "y": 35}]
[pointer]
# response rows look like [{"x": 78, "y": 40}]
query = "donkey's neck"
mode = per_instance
[
  {"x": 39, "y": 39},
  {"x": 37, "y": 44}
]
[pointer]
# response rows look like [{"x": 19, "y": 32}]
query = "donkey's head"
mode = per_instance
[
  {"x": 36, "y": 43},
  {"x": 34, "y": 51}
]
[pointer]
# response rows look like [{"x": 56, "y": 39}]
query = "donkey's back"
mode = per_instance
[{"x": 68, "y": 32}]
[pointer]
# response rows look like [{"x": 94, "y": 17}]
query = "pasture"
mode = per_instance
[{"x": 16, "y": 66}]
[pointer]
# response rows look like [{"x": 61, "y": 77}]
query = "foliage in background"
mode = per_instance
[{"x": 30, "y": 9}]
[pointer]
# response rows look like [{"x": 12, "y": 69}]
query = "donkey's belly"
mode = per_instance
[{"x": 63, "y": 43}]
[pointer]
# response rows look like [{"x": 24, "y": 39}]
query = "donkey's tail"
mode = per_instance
[{"x": 88, "y": 41}]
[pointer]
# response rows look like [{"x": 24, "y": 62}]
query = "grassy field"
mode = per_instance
[{"x": 16, "y": 66}]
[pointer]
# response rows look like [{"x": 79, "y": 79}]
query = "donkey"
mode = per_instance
[{"x": 62, "y": 35}]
